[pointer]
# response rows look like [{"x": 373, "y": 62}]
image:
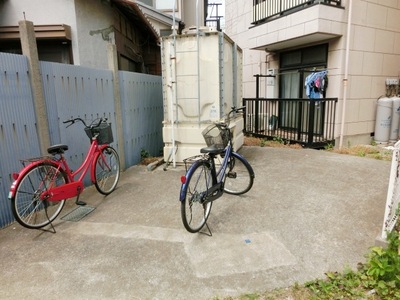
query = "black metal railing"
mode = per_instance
[
  {"x": 265, "y": 10},
  {"x": 213, "y": 17},
  {"x": 309, "y": 122},
  {"x": 214, "y": 23}
]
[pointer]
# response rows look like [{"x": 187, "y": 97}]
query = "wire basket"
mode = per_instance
[
  {"x": 217, "y": 135},
  {"x": 103, "y": 132}
]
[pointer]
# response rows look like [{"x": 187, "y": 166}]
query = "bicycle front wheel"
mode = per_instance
[
  {"x": 194, "y": 211},
  {"x": 28, "y": 209},
  {"x": 239, "y": 175},
  {"x": 107, "y": 171}
]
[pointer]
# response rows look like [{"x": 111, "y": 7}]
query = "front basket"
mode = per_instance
[
  {"x": 103, "y": 132},
  {"x": 216, "y": 135}
]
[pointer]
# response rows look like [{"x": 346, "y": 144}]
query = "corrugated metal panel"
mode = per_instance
[
  {"x": 141, "y": 99},
  {"x": 18, "y": 136},
  {"x": 78, "y": 92},
  {"x": 72, "y": 91},
  {"x": 51, "y": 104}
]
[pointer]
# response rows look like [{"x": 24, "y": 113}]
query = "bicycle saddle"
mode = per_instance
[
  {"x": 57, "y": 149},
  {"x": 213, "y": 149}
]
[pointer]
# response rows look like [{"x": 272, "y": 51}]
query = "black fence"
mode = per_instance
[
  {"x": 213, "y": 17},
  {"x": 265, "y": 10},
  {"x": 309, "y": 122}
]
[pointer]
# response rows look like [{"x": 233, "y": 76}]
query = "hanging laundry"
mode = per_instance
[{"x": 316, "y": 84}]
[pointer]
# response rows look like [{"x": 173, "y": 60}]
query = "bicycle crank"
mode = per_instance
[{"x": 214, "y": 193}]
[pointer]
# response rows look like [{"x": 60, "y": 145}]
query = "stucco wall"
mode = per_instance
[
  {"x": 90, "y": 16},
  {"x": 94, "y": 20}
]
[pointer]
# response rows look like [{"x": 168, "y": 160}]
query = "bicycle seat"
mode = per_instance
[
  {"x": 57, "y": 149},
  {"x": 213, "y": 149}
]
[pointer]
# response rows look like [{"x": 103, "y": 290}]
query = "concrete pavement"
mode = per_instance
[{"x": 308, "y": 212}]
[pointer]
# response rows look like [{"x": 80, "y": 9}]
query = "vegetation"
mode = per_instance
[
  {"x": 276, "y": 142},
  {"x": 370, "y": 151}
]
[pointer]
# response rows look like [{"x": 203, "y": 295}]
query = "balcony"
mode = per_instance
[
  {"x": 213, "y": 18},
  {"x": 282, "y": 24},
  {"x": 267, "y": 10},
  {"x": 309, "y": 122}
]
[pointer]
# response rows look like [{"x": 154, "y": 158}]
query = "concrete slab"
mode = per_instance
[{"x": 308, "y": 212}]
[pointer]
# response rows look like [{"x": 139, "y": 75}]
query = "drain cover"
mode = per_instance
[{"x": 78, "y": 213}]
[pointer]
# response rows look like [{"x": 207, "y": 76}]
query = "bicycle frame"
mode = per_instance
[
  {"x": 73, "y": 187},
  {"x": 216, "y": 176}
]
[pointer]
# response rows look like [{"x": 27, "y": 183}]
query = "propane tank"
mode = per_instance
[
  {"x": 394, "y": 127},
  {"x": 383, "y": 120}
]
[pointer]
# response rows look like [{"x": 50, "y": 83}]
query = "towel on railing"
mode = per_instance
[{"x": 316, "y": 84}]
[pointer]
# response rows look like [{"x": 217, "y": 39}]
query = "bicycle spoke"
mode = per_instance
[
  {"x": 239, "y": 176},
  {"x": 193, "y": 209},
  {"x": 28, "y": 208}
]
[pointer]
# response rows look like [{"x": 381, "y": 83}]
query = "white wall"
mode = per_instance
[{"x": 374, "y": 56}]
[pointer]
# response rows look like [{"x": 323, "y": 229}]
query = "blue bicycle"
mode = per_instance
[{"x": 219, "y": 169}]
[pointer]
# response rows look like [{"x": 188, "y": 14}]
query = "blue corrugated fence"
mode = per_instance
[{"x": 72, "y": 91}]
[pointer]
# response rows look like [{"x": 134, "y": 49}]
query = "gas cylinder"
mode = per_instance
[{"x": 383, "y": 120}]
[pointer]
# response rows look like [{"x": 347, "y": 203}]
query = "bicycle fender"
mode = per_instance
[
  {"x": 18, "y": 176},
  {"x": 185, "y": 184}
]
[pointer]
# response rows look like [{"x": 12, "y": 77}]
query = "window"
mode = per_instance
[
  {"x": 296, "y": 65},
  {"x": 53, "y": 42}
]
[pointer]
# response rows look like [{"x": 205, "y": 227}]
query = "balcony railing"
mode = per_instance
[
  {"x": 309, "y": 122},
  {"x": 265, "y": 10},
  {"x": 213, "y": 17}
]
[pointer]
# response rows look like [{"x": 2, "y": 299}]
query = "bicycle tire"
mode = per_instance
[
  {"x": 27, "y": 207},
  {"x": 239, "y": 176},
  {"x": 195, "y": 213},
  {"x": 107, "y": 170}
]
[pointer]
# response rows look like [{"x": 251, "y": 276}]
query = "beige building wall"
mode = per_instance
[{"x": 374, "y": 54}]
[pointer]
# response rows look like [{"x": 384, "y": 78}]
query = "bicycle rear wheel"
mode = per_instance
[
  {"x": 28, "y": 209},
  {"x": 240, "y": 175},
  {"x": 107, "y": 171},
  {"x": 193, "y": 211}
]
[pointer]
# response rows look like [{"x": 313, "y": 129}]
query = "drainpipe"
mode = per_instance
[
  {"x": 346, "y": 73},
  {"x": 198, "y": 60}
]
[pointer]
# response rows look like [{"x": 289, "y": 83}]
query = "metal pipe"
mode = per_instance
[
  {"x": 346, "y": 73},
  {"x": 198, "y": 60},
  {"x": 173, "y": 87}
]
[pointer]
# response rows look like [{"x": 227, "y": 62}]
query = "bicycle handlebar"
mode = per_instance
[
  {"x": 72, "y": 121},
  {"x": 236, "y": 109},
  {"x": 228, "y": 117}
]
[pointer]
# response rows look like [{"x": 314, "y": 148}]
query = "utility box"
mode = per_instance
[{"x": 202, "y": 80}]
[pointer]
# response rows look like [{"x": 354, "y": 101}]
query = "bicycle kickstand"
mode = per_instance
[
  {"x": 77, "y": 201},
  {"x": 209, "y": 231},
  {"x": 46, "y": 204}
]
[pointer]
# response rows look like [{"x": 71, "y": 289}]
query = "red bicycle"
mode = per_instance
[{"x": 40, "y": 189}]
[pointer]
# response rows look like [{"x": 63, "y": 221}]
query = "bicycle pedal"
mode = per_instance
[
  {"x": 231, "y": 174},
  {"x": 81, "y": 203}
]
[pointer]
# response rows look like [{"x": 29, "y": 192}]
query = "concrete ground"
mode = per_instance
[{"x": 308, "y": 212}]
